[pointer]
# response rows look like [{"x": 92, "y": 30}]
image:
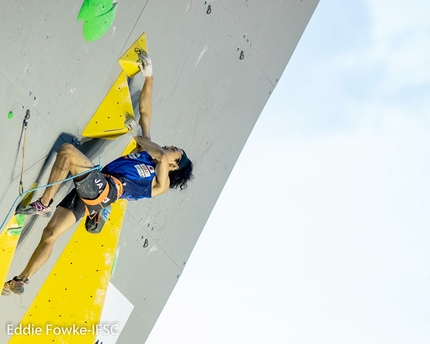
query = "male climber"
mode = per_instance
[{"x": 147, "y": 172}]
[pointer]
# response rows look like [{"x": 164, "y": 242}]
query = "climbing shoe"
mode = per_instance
[
  {"x": 36, "y": 208},
  {"x": 15, "y": 286}
]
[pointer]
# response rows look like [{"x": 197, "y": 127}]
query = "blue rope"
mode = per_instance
[{"x": 97, "y": 167}]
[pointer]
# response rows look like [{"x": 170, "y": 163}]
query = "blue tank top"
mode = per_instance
[{"x": 136, "y": 172}]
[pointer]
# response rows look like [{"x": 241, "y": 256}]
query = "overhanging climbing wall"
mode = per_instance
[{"x": 215, "y": 65}]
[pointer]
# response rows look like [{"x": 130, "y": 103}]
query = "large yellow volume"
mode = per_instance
[
  {"x": 108, "y": 120},
  {"x": 69, "y": 304},
  {"x": 68, "y": 307}
]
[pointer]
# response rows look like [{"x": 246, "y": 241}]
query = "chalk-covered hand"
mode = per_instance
[
  {"x": 133, "y": 126},
  {"x": 145, "y": 65}
]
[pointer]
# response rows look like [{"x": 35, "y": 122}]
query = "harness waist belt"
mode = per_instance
[
  {"x": 105, "y": 192},
  {"x": 118, "y": 184}
]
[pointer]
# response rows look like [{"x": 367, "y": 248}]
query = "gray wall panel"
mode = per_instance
[
  {"x": 146, "y": 276},
  {"x": 268, "y": 30}
]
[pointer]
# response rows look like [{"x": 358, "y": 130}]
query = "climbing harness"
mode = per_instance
[
  {"x": 97, "y": 210},
  {"x": 97, "y": 167},
  {"x": 102, "y": 196}
]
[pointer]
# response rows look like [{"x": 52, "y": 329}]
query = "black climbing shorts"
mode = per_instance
[{"x": 89, "y": 188}]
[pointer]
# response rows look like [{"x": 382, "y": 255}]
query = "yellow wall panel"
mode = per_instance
[
  {"x": 72, "y": 297},
  {"x": 9, "y": 237}
]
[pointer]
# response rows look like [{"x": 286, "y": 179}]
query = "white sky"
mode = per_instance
[{"x": 322, "y": 233}]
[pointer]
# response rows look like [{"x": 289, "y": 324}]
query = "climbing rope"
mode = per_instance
[
  {"x": 97, "y": 167},
  {"x": 23, "y": 133},
  {"x": 21, "y": 183}
]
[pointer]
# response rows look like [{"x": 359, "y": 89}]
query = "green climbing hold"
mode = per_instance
[
  {"x": 10, "y": 115},
  {"x": 20, "y": 223},
  {"x": 20, "y": 219},
  {"x": 94, "y": 8},
  {"x": 96, "y": 27}
]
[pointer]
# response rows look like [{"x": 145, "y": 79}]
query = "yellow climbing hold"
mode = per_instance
[{"x": 128, "y": 61}]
